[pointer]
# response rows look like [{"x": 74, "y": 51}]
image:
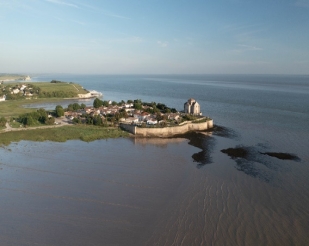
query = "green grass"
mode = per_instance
[
  {"x": 62, "y": 134},
  {"x": 15, "y": 124},
  {"x": 14, "y": 108},
  {"x": 11, "y": 76},
  {"x": 65, "y": 87},
  {"x": 205, "y": 119}
]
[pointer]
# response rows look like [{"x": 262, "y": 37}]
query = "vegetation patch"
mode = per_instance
[
  {"x": 55, "y": 89},
  {"x": 5, "y": 77},
  {"x": 202, "y": 120},
  {"x": 62, "y": 134}
]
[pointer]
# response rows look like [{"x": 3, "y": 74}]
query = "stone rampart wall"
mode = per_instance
[
  {"x": 128, "y": 127},
  {"x": 167, "y": 131}
]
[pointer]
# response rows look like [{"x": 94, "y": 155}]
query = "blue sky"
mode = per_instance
[{"x": 154, "y": 36}]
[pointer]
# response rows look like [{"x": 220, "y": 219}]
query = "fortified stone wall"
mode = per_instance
[
  {"x": 167, "y": 131},
  {"x": 129, "y": 128}
]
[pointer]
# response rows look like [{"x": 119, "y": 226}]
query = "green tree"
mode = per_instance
[
  {"x": 29, "y": 121},
  {"x": 105, "y": 103},
  {"x": 123, "y": 113},
  {"x": 70, "y": 107},
  {"x": 137, "y": 105},
  {"x": 83, "y": 106},
  {"x": 121, "y": 103},
  {"x": 59, "y": 111},
  {"x": 50, "y": 121},
  {"x": 76, "y": 121},
  {"x": 97, "y": 103},
  {"x": 2, "y": 122},
  {"x": 97, "y": 120},
  {"x": 76, "y": 106},
  {"x": 42, "y": 115},
  {"x": 89, "y": 120}
]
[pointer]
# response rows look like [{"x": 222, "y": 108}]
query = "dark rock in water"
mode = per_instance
[
  {"x": 203, "y": 142},
  {"x": 238, "y": 152},
  {"x": 252, "y": 160},
  {"x": 282, "y": 156},
  {"x": 249, "y": 160}
]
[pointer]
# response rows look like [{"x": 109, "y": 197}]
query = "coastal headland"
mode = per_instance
[{"x": 141, "y": 119}]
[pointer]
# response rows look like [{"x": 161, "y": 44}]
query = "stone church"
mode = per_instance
[{"x": 192, "y": 107}]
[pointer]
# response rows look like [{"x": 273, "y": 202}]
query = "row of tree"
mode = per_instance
[
  {"x": 137, "y": 104},
  {"x": 40, "y": 116}
]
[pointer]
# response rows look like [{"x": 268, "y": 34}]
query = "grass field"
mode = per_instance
[
  {"x": 14, "y": 108},
  {"x": 62, "y": 134},
  {"x": 11, "y": 77},
  {"x": 65, "y": 87}
]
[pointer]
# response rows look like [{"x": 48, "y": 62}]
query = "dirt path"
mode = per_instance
[
  {"x": 59, "y": 122},
  {"x": 76, "y": 88}
]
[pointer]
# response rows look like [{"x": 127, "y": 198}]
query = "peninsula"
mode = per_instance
[{"x": 139, "y": 118}]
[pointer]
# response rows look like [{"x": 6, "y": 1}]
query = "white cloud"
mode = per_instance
[
  {"x": 244, "y": 48},
  {"x": 162, "y": 44},
  {"x": 249, "y": 47},
  {"x": 63, "y": 3}
]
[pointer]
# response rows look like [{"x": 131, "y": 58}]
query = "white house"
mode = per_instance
[
  {"x": 15, "y": 91},
  {"x": 152, "y": 121},
  {"x": 2, "y": 99},
  {"x": 173, "y": 116},
  {"x": 131, "y": 120},
  {"x": 141, "y": 116},
  {"x": 23, "y": 87}
]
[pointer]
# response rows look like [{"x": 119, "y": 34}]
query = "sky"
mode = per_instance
[{"x": 154, "y": 36}]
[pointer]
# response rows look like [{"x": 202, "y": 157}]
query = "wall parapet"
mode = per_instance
[{"x": 167, "y": 131}]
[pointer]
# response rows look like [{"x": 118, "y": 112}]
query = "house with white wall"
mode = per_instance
[{"x": 2, "y": 99}]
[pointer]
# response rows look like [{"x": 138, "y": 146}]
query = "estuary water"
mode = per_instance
[{"x": 180, "y": 191}]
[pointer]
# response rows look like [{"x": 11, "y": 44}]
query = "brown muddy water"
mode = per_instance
[{"x": 150, "y": 192}]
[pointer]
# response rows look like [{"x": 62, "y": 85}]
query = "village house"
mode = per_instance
[
  {"x": 128, "y": 105},
  {"x": 23, "y": 87},
  {"x": 15, "y": 91},
  {"x": 131, "y": 120},
  {"x": 173, "y": 116},
  {"x": 152, "y": 121},
  {"x": 28, "y": 94},
  {"x": 135, "y": 116}
]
